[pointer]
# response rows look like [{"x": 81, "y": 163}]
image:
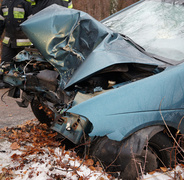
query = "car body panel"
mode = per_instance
[
  {"x": 71, "y": 38},
  {"x": 124, "y": 110},
  {"x": 78, "y": 47}
]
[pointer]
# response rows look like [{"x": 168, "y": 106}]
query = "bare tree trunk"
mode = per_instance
[{"x": 101, "y": 9}]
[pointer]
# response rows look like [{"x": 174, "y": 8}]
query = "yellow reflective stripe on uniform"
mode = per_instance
[
  {"x": 23, "y": 42},
  {"x": 18, "y": 13},
  {"x": 5, "y": 11},
  {"x": 70, "y": 5},
  {"x": 1, "y": 18},
  {"x": 6, "y": 40},
  {"x": 32, "y": 2}
]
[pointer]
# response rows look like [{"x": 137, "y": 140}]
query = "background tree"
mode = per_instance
[{"x": 101, "y": 9}]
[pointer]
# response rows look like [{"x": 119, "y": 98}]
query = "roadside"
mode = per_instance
[
  {"x": 29, "y": 150},
  {"x": 10, "y": 113},
  {"x": 32, "y": 151}
]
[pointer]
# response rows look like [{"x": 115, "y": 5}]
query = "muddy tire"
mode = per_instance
[
  {"x": 162, "y": 146},
  {"x": 158, "y": 154},
  {"x": 40, "y": 114}
]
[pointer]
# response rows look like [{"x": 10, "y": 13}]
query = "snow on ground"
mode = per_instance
[
  {"x": 41, "y": 167},
  {"x": 30, "y": 151},
  {"x": 175, "y": 174}
]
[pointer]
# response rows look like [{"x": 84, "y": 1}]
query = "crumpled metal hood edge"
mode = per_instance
[{"x": 77, "y": 45}]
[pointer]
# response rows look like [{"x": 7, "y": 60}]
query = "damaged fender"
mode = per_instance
[{"x": 127, "y": 109}]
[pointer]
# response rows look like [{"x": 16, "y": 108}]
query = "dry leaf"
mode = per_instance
[
  {"x": 15, "y": 146},
  {"x": 73, "y": 173},
  {"x": 52, "y": 135},
  {"x": 181, "y": 178},
  {"x": 15, "y": 157},
  {"x": 152, "y": 172},
  {"x": 4, "y": 129},
  {"x": 89, "y": 162},
  {"x": 71, "y": 159},
  {"x": 67, "y": 152},
  {"x": 51, "y": 150},
  {"x": 26, "y": 135},
  {"x": 14, "y": 132},
  {"x": 164, "y": 169},
  {"x": 92, "y": 168},
  {"x": 4, "y": 169},
  {"x": 109, "y": 176}
]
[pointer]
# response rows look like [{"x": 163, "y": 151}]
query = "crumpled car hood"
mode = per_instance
[{"x": 78, "y": 45}]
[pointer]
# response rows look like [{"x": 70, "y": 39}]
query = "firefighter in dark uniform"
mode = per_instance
[
  {"x": 67, "y": 3},
  {"x": 38, "y": 5},
  {"x": 12, "y": 14}
]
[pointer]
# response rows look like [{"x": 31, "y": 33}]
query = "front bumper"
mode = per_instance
[{"x": 72, "y": 127}]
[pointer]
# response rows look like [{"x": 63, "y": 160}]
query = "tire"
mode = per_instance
[
  {"x": 158, "y": 154},
  {"x": 40, "y": 114},
  {"x": 130, "y": 165},
  {"x": 162, "y": 145}
]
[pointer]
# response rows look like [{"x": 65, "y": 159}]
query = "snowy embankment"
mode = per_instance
[{"x": 31, "y": 151}]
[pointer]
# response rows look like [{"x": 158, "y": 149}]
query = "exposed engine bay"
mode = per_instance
[{"x": 39, "y": 82}]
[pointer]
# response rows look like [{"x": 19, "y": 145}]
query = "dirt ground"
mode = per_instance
[{"x": 10, "y": 113}]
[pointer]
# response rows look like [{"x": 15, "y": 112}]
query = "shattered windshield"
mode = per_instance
[{"x": 155, "y": 25}]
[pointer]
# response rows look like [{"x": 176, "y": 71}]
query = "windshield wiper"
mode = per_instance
[
  {"x": 132, "y": 42},
  {"x": 140, "y": 48}
]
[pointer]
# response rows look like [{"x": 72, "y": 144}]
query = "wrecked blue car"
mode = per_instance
[{"x": 116, "y": 85}]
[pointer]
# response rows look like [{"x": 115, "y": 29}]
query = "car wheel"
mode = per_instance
[
  {"x": 157, "y": 154},
  {"x": 162, "y": 146},
  {"x": 40, "y": 114}
]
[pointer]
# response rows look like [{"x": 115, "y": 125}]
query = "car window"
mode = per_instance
[{"x": 157, "y": 26}]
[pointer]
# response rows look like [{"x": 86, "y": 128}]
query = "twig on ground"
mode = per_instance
[
  {"x": 144, "y": 167},
  {"x": 135, "y": 162}
]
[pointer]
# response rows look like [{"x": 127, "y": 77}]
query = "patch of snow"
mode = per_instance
[{"x": 41, "y": 170}]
